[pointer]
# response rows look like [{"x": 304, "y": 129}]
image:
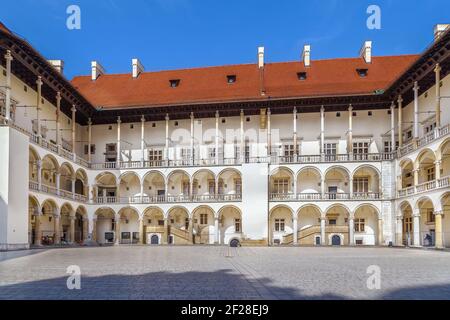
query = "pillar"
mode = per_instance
[
  {"x": 416, "y": 176},
  {"x": 439, "y": 242},
  {"x": 400, "y": 122},
  {"x": 416, "y": 110},
  {"x": 399, "y": 231},
  {"x": 56, "y": 221},
  {"x": 117, "y": 228},
  {"x": 142, "y": 141},
  {"x": 393, "y": 144},
  {"x": 322, "y": 231},
  {"x": 351, "y": 231},
  {"x": 38, "y": 106},
  {"x": 242, "y": 136},
  {"x": 437, "y": 72},
  {"x": 294, "y": 120},
  {"x": 216, "y": 230},
  {"x": 118, "y": 142},
  {"x": 437, "y": 169},
  {"x": 166, "y": 231},
  {"x": 9, "y": 59},
  {"x": 322, "y": 187},
  {"x": 217, "y": 138},
  {"x": 73, "y": 188},
  {"x": 141, "y": 231},
  {"x": 85, "y": 237},
  {"x": 167, "y": 137},
  {"x": 350, "y": 187},
  {"x": 322, "y": 130},
  {"x": 380, "y": 232},
  {"x": 190, "y": 230},
  {"x": 74, "y": 128},
  {"x": 192, "y": 137},
  {"x": 295, "y": 231},
  {"x": 269, "y": 134},
  {"x": 39, "y": 173},
  {"x": 58, "y": 112},
  {"x": 37, "y": 230},
  {"x": 58, "y": 183},
  {"x": 350, "y": 130},
  {"x": 72, "y": 230},
  {"x": 416, "y": 229},
  {"x": 89, "y": 140},
  {"x": 94, "y": 229}
]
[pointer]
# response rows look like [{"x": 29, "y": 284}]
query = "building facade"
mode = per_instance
[{"x": 312, "y": 152}]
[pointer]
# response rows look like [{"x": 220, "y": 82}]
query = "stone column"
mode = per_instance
[
  {"x": 9, "y": 59},
  {"x": 117, "y": 227},
  {"x": 89, "y": 140},
  {"x": 323, "y": 240},
  {"x": 141, "y": 231},
  {"x": 416, "y": 110},
  {"x": 380, "y": 232},
  {"x": 37, "y": 230},
  {"x": 242, "y": 136},
  {"x": 142, "y": 141},
  {"x": 165, "y": 235},
  {"x": 216, "y": 230},
  {"x": 350, "y": 131},
  {"x": 350, "y": 187},
  {"x": 118, "y": 142},
  {"x": 269, "y": 134},
  {"x": 58, "y": 183},
  {"x": 322, "y": 187},
  {"x": 294, "y": 120},
  {"x": 58, "y": 112},
  {"x": 167, "y": 137},
  {"x": 416, "y": 229},
  {"x": 400, "y": 122},
  {"x": 416, "y": 176},
  {"x": 351, "y": 231},
  {"x": 437, "y": 169},
  {"x": 192, "y": 138},
  {"x": 39, "y": 173},
  {"x": 85, "y": 229},
  {"x": 190, "y": 230},
  {"x": 437, "y": 72},
  {"x": 217, "y": 138},
  {"x": 393, "y": 144},
  {"x": 399, "y": 231},
  {"x": 439, "y": 242},
  {"x": 74, "y": 128},
  {"x": 322, "y": 131},
  {"x": 94, "y": 229},
  {"x": 295, "y": 231},
  {"x": 56, "y": 221},
  {"x": 72, "y": 230},
  {"x": 73, "y": 188},
  {"x": 38, "y": 106}
]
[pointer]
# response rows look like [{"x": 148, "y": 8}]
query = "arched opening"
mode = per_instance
[
  {"x": 66, "y": 230},
  {"x": 49, "y": 223},
  {"x": 49, "y": 172},
  {"x": 129, "y": 226},
  {"x": 104, "y": 226},
  {"x": 406, "y": 224},
  {"x": 129, "y": 188},
  {"x": 427, "y": 229},
  {"x": 229, "y": 185},
  {"x": 66, "y": 176},
  {"x": 230, "y": 224},
  {"x": 81, "y": 183},
  {"x": 308, "y": 184},
  {"x": 179, "y": 226},
  {"x": 33, "y": 159},
  {"x": 445, "y": 159},
  {"x": 203, "y": 185},
  {"x": 337, "y": 183},
  {"x": 81, "y": 225},
  {"x": 178, "y": 186},
  {"x": 154, "y": 226},
  {"x": 33, "y": 218},
  {"x": 154, "y": 187},
  {"x": 366, "y": 183},
  {"x": 308, "y": 225},
  {"x": 280, "y": 225},
  {"x": 336, "y": 224},
  {"x": 366, "y": 225},
  {"x": 203, "y": 225},
  {"x": 426, "y": 166},
  {"x": 281, "y": 184},
  {"x": 445, "y": 202},
  {"x": 407, "y": 176},
  {"x": 105, "y": 188}
]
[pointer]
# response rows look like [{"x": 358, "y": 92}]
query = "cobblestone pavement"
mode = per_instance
[{"x": 144, "y": 272}]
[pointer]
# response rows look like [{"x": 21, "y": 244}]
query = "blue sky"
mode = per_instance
[{"x": 171, "y": 34}]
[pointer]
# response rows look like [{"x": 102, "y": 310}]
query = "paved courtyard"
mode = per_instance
[{"x": 144, "y": 272}]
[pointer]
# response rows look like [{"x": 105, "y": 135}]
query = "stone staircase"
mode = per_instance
[{"x": 180, "y": 236}]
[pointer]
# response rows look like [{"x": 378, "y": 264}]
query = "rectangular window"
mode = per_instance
[
  {"x": 155, "y": 155},
  {"x": 361, "y": 184},
  {"x": 279, "y": 225},
  {"x": 430, "y": 215},
  {"x": 204, "y": 218},
  {"x": 238, "y": 186},
  {"x": 86, "y": 147},
  {"x": 361, "y": 147},
  {"x": 332, "y": 222},
  {"x": 211, "y": 186},
  {"x": 430, "y": 174},
  {"x": 212, "y": 152},
  {"x": 161, "y": 223},
  {"x": 407, "y": 223},
  {"x": 359, "y": 225},
  {"x": 237, "y": 225},
  {"x": 330, "y": 148},
  {"x": 281, "y": 185}
]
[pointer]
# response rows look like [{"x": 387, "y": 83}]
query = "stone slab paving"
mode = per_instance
[{"x": 208, "y": 272}]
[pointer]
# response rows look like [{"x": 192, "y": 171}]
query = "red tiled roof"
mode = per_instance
[
  {"x": 4, "y": 28},
  {"x": 201, "y": 85}
]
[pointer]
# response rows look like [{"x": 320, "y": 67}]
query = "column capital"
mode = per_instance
[
  {"x": 118, "y": 120},
  {"x": 350, "y": 108},
  {"x": 58, "y": 96},
  {"x": 8, "y": 55},
  {"x": 73, "y": 109},
  {"x": 39, "y": 81},
  {"x": 217, "y": 114},
  {"x": 437, "y": 162},
  {"x": 167, "y": 117},
  {"x": 89, "y": 122},
  {"x": 192, "y": 116},
  {"x": 294, "y": 218},
  {"x": 142, "y": 118},
  {"x": 294, "y": 110},
  {"x": 322, "y": 109},
  {"x": 437, "y": 68},
  {"x": 438, "y": 213},
  {"x": 416, "y": 86},
  {"x": 269, "y": 112},
  {"x": 392, "y": 106},
  {"x": 39, "y": 163},
  {"x": 242, "y": 112},
  {"x": 399, "y": 99}
]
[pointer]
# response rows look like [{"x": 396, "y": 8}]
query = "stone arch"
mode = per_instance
[
  {"x": 49, "y": 170},
  {"x": 366, "y": 224},
  {"x": 34, "y": 210},
  {"x": 203, "y": 184},
  {"x": 308, "y": 180},
  {"x": 33, "y": 159},
  {"x": 81, "y": 182},
  {"x": 178, "y": 185},
  {"x": 105, "y": 187},
  {"x": 281, "y": 181},
  {"x": 425, "y": 164},
  {"x": 230, "y": 224},
  {"x": 49, "y": 223},
  {"x": 129, "y": 187},
  {"x": 203, "y": 218},
  {"x": 280, "y": 224},
  {"x": 337, "y": 181},
  {"x": 229, "y": 183},
  {"x": 66, "y": 175},
  {"x": 443, "y": 155},
  {"x": 154, "y": 186},
  {"x": 129, "y": 230}
]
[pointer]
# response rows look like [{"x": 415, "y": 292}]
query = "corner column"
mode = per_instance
[
  {"x": 416, "y": 229},
  {"x": 142, "y": 141},
  {"x": 72, "y": 229},
  {"x": 38, "y": 106},
  {"x": 351, "y": 231},
  {"x": 117, "y": 229},
  {"x": 322, "y": 231},
  {"x": 400, "y": 122},
  {"x": 380, "y": 232},
  {"x": 9, "y": 59},
  {"x": 118, "y": 142},
  {"x": 56, "y": 221},
  {"x": 393, "y": 144},
  {"x": 416, "y": 111},
  {"x": 141, "y": 231},
  {"x": 437, "y": 72},
  {"x": 37, "y": 229},
  {"x": 294, "y": 133},
  {"x": 74, "y": 128},
  {"x": 217, "y": 138},
  {"x": 216, "y": 230},
  {"x": 322, "y": 131},
  {"x": 399, "y": 231}
]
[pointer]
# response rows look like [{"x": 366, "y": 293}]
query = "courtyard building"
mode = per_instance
[{"x": 342, "y": 152}]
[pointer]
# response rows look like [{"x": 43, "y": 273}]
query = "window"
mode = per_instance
[
  {"x": 289, "y": 150},
  {"x": 224, "y": 120},
  {"x": 186, "y": 154},
  {"x": 175, "y": 123},
  {"x": 155, "y": 155},
  {"x": 281, "y": 185},
  {"x": 408, "y": 134},
  {"x": 237, "y": 152},
  {"x": 231, "y": 78},
  {"x": 238, "y": 186},
  {"x": 430, "y": 174},
  {"x": 330, "y": 148},
  {"x": 338, "y": 114},
  {"x": 237, "y": 225},
  {"x": 279, "y": 225},
  {"x": 362, "y": 72},
  {"x": 301, "y": 75},
  {"x": 174, "y": 83},
  {"x": 361, "y": 184},
  {"x": 25, "y": 88},
  {"x": 203, "y": 218},
  {"x": 360, "y": 147},
  {"x": 407, "y": 224},
  {"x": 212, "y": 152},
  {"x": 111, "y": 147},
  {"x": 109, "y": 127},
  {"x": 4, "y": 73},
  {"x": 430, "y": 127},
  {"x": 387, "y": 146},
  {"x": 359, "y": 225},
  {"x": 86, "y": 148},
  {"x": 353, "y": 114},
  {"x": 369, "y": 113},
  {"x": 332, "y": 222},
  {"x": 153, "y": 125},
  {"x": 247, "y": 119},
  {"x": 160, "y": 223},
  {"x": 430, "y": 215},
  {"x": 131, "y": 126}
]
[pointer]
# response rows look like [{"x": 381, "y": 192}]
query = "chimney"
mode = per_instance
[
  {"x": 306, "y": 55},
  {"x": 366, "y": 51},
  {"x": 97, "y": 70},
  {"x": 261, "y": 57},
  {"x": 58, "y": 65},
  {"x": 137, "y": 67},
  {"x": 439, "y": 29}
]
